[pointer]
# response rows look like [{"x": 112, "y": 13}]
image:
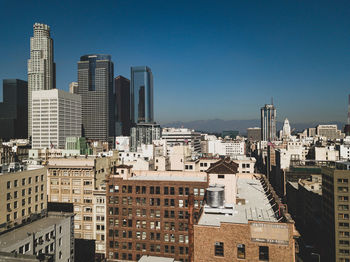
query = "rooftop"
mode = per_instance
[
  {"x": 224, "y": 166},
  {"x": 253, "y": 205},
  {"x": 169, "y": 177},
  {"x": 12, "y": 237},
  {"x": 156, "y": 259}
]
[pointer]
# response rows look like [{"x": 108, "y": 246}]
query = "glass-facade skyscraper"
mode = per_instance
[
  {"x": 122, "y": 97},
  {"x": 141, "y": 95},
  {"x": 14, "y": 109},
  {"x": 95, "y": 82},
  {"x": 268, "y": 123}
]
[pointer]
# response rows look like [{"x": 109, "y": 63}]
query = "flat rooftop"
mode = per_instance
[
  {"x": 168, "y": 177},
  {"x": 256, "y": 208},
  {"x": 12, "y": 237},
  {"x": 156, "y": 259}
]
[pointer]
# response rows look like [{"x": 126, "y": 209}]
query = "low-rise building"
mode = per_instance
[
  {"x": 183, "y": 136},
  {"x": 148, "y": 212},
  {"x": 51, "y": 236},
  {"x": 246, "y": 164},
  {"x": 254, "y": 228}
]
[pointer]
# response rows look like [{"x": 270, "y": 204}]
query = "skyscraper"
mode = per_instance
[
  {"x": 122, "y": 93},
  {"x": 95, "y": 82},
  {"x": 56, "y": 115},
  {"x": 73, "y": 88},
  {"x": 268, "y": 122},
  {"x": 41, "y": 68},
  {"x": 141, "y": 95},
  {"x": 14, "y": 109}
]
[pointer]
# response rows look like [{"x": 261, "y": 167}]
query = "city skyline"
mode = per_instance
[{"x": 295, "y": 53}]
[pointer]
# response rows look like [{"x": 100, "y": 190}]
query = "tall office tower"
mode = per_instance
[
  {"x": 56, "y": 115},
  {"x": 14, "y": 109},
  {"x": 268, "y": 123},
  {"x": 141, "y": 95},
  {"x": 95, "y": 81},
  {"x": 122, "y": 92},
  {"x": 73, "y": 88},
  {"x": 347, "y": 126},
  {"x": 41, "y": 68}
]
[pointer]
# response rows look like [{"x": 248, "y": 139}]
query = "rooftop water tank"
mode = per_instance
[{"x": 215, "y": 196}]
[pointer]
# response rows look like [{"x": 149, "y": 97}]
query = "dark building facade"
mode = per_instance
[
  {"x": 336, "y": 213},
  {"x": 14, "y": 109},
  {"x": 141, "y": 95},
  {"x": 95, "y": 81},
  {"x": 122, "y": 98},
  {"x": 148, "y": 214},
  {"x": 254, "y": 134}
]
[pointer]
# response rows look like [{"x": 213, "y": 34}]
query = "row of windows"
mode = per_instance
[
  {"x": 155, "y": 202},
  {"x": 263, "y": 251},
  {"x": 157, "y": 190},
  {"x": 153, "y": 225},
  {"x": 152, "y": 213},
  {"x": 11, "y": 184},
  {"x": 15, "y": 214},
  {"x": 29, "y": 190},
  {"x": 29, "y": 201},
  {"x": 142, "y": 247}
]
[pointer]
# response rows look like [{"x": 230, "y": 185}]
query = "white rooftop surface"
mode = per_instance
[
  {"x": 256, "y": 207},
  {"x": 156, "y": 259},
  {"x": 166, "y": 177}
]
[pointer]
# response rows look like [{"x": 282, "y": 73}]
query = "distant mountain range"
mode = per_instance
[{"x": 219, "y": 125}]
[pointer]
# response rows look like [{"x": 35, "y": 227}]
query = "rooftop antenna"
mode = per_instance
[
  {"x": 349, "y": 111},
  {"x": 272, "y": 100}
]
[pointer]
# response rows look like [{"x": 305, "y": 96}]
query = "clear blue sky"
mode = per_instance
[{"x": 210, "y": 59}]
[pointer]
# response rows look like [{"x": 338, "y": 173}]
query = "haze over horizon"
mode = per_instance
[{"x": 216, "y": 62}]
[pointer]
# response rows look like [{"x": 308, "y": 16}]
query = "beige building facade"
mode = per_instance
[{"x": 23, "y": 195}]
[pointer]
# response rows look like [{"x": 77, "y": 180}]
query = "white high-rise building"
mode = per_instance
[
  {"x": 182, "y": 136},
  {"x": 41, "y": 68},
  {"x": 56, "y": 115}
]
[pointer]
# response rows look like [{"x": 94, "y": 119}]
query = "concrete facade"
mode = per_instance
[
  {"x": 56, "y": 114},
  {"x": 51, "y": 235}
]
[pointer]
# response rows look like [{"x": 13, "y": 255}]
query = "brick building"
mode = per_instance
[
  {"x": 148, "y": 212},
  {"x": 254, "y": 228}
]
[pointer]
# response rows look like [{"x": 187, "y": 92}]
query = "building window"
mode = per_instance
[
  {"x": 8, "y": 184},
  {"x": 221, "y": 176},
  {"x": 219, "y": 249},
  {"x": 241, "y": 251},
  {"x": 263, "y": 253}
]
